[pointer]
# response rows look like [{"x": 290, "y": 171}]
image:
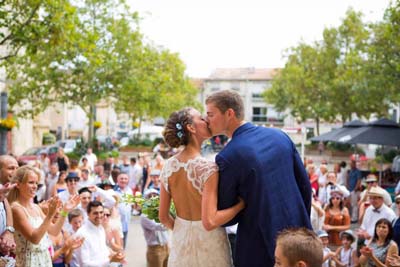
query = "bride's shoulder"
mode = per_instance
[{"x": 202, "y": 162}]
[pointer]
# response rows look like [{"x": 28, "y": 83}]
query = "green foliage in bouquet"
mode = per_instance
[{"x": 149, "y": 206}]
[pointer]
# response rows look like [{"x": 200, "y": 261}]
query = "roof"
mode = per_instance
[{"x": 243, "y": 74}]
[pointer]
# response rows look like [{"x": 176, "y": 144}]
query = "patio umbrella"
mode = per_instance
[
  {"x": 382, "y": 132},
  {"x": 336, "y": 133}
]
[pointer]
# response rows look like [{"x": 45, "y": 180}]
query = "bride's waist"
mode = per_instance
[{"x": 187, "y": 221}]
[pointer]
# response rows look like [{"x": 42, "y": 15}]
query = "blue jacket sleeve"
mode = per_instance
[
  {"x": 227, "y": 186},
  {"x": 302, "y": 180}
]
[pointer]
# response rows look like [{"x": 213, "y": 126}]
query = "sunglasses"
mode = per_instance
[
  {"x": 338, "y": 198},
  {"x": 73, "y": 180},
  {"x": 107, "y": 214},
  {"x": 397, "y": 202}
]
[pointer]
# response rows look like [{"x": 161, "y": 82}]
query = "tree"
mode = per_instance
[
  {"x": 101, "y": 58},
  {"x": 384, "y": 55},
  {"x": 330, "y": 78},
  {"x": 28, "y": 24},
  {"x": 298, "y": 86},
  {"x": 157, "y": 87}
]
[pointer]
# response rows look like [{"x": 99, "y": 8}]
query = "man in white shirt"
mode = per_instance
[
  {"x": 51, "y": 179},
  {"x": 8, "y": 166},
  {"x": 124, "y": 209},
  {"x": 135, "y": 175},
  {"x": 377, "y": 210},
  {"x": 156, "y": 236},
  {"x": 85, "y": 179},
  {"x": 91, "y": 157},
  {"x": 372, "y": 181},
  {"x": 94, "y": 251}
]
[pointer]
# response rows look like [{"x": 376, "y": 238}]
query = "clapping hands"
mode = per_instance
[
  {"x": 394, "y": 260},
  {"x": 74, "y": 242},
  {"x": 117, "y": 257},
  {"x": 71, "y": 203},
  {"x": 54, "y": 204},
  {"x": 366, "y": 251}
]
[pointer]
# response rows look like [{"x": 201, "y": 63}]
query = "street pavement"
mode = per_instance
[{"x": 136, "y": 245}]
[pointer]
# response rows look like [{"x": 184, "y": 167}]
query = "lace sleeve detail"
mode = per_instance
[
  {"x": 164, "y": 177},
  {"x": 199, "y": 171},
  {"x": 172, "y": 165}
]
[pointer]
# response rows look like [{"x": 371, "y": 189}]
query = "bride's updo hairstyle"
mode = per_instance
[{"x": 175, "y": 132}]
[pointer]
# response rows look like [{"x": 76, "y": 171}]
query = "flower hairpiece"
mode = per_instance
[{"x": 179, "y": 128}]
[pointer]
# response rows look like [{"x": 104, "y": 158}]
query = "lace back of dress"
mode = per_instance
[{"x": 198, "y": 171}]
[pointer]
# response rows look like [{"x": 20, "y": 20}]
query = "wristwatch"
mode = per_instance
[{"x": 10, "y": 229}]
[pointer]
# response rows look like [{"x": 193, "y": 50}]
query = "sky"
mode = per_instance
[{"x": 210, "y": 34}]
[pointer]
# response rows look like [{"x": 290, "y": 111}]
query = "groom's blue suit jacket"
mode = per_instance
[{"x": 262, "y": 166}]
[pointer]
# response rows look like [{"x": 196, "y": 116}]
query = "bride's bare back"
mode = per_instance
[{"x": 185, "y": 181}]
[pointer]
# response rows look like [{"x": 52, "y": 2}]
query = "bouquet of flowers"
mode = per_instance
[{"x": 149, "y": 206}]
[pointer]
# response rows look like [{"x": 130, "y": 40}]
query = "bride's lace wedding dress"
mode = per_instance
[{"x": 191, "y": 244}]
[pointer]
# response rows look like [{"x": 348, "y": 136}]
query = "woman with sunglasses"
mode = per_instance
[
  {"x": 113, "y": 235},
  {"x": 337, "y": 219}
]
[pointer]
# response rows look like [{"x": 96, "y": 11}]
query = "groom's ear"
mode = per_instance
[{"x": 230, "y": 112}]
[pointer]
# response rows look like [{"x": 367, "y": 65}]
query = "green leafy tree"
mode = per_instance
[
  {"x": 298, "y": 87},
  {"x": 100, "y": 58},
  {"x": 383, "y": 67},
  {"x": 27, "y": 25},
  {"x": 332, "y": 77}
]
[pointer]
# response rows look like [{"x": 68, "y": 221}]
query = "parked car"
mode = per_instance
[
  {"x": 68, "y": 145},
  {"x": 30, "y": 155},
  {"x": 51, "y": 152},
  {"x": 147, "y": 131}
]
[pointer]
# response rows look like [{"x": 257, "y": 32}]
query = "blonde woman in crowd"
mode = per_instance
[{"x": 30, "y": 223}]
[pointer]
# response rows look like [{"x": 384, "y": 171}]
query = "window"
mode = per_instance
[
  {"x": 259, "y": 114},
  {"x": 235, "y": 86}
]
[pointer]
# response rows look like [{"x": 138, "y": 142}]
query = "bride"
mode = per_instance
[{"x": 191, "y": 182}]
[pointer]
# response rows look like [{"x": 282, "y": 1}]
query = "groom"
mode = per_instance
[{"x": 260, "y": 165}]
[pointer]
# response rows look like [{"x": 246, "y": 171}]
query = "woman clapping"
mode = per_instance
[
  {"x": 30, "y": 223},
  {"x": 380, "y": 247}
]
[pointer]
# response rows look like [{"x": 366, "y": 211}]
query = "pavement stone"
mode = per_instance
[{"x": 136, "y": 245}]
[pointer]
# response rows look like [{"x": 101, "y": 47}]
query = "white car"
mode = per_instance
[
  {"x": 147, "y": 131},
  {"x": 68, "y": 145}
]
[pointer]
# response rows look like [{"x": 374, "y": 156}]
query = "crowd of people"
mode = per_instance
[
  {"x": 355, "y": 218},
  {"x": 75, "y": 216},
  {"x": 277, "y": 210}
]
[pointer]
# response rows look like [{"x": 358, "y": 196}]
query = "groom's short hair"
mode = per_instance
[
  {"x": 300, "y": 244},
  {"x": 226, "y": 99}
]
